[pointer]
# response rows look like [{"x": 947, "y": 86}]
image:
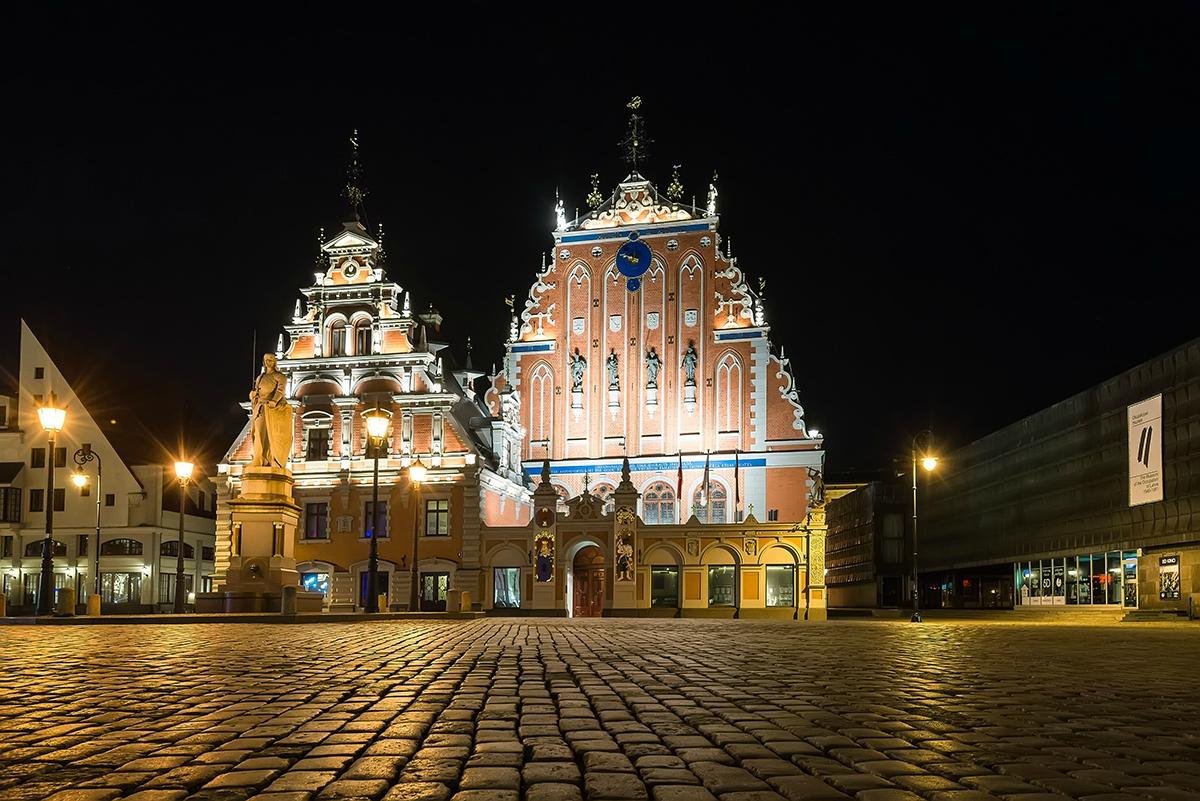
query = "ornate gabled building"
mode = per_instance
[
  {"x": 672, "y": 366},
  {"x": 355, "y": 345}
]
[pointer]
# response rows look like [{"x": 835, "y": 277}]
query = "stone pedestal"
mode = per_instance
[
  {"x": 544, "y": 595},
  {"x": 261, "y": 545}
]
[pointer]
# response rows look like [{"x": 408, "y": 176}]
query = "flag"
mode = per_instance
[
  {"x": 737, "y": 490},
  {"x": 704, "y": 484},
  {"x": 679, "y": 484}
]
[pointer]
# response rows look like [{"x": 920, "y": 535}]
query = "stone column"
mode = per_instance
[{"x": 816, "y": 595}]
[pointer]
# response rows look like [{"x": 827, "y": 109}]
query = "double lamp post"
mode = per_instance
[{"x": 377, "y": 426}]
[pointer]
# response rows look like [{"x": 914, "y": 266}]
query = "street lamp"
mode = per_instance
[
  {"x": 82, "y": 456},
  {"x": 183, "y": 471},
  {"x": 377, "y": 425},
  {"x": 416, "y": 474},
  {"x": 52, "y": 420},
  {"x": 929, "y": 462}
]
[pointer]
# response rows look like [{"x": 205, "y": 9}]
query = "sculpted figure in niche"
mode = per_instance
[
  {"x": 271, "y": 430},
  {"x": 653, "y": 363},
  {"x": 689, "y": 363},
  {"x": 578, "y": 365},
  {"x": 614, "y": 381},
  {"x": 545, "y": 560}
]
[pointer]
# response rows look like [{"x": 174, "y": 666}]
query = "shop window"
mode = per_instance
[
  {"x": 315, "y": 582},
  {"x": 664, "y": 586},
  {"x": 508, "y": 588},
  {"x": 369, "y": 519},
  {"x": 781, "y": 585},
  {"x": 166, "y": 587},
  {"x": 316, "y": 521},
  {"x": 437, "y": 517},
  {"x": 721, "y": 585},
  {"x": 121, "y": 547},
  {"x": 121, "y": 588},
  {"x": 658, "y": 504}
]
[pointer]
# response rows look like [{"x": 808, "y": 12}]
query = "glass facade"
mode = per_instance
[
  {"x": 664, "y": 585},
  {"x": 121, "y": 588},
  {"x": 1089, "y": 579}
]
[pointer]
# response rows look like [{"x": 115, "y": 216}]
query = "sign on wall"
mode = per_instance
[
  {"x": 1145, "y": 451},
  {"x": 1168, "y": 577}
]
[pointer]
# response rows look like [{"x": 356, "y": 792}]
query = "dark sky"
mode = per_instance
[{"x": 962, "y": 215}]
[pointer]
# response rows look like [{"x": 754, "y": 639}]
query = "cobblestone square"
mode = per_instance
[{"x": 600, "y": 709}]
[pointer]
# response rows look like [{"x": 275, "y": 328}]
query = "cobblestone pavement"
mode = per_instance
[{"x": 605, "y": 709}]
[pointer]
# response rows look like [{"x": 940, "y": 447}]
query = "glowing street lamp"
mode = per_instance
[
  {"x": 52, "y": 420},
  {"x": 83, "y": 456},
  {"x": 377, "y": 426},
  {"x": 183, "y": 472},
  {"x": 416, "y": 475},
  {"x": 929, "y": 462}
]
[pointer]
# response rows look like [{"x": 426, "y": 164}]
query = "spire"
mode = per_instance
[
  {"x": 407, "y": 310},
  {"x": 320, "y": 261},
  {"x": 675, "y": 188},
  {"x": 635, "y": 145},
  {"x": 712, "y": 196},
  {"x": 467, "y": 363},
  {"x": 381, "y": 254},
  {"x": 296, "y": 311},
  {"x": 594, "y": 198},
  {"x": 354, "y": 192},
  {"x": 546, "y": 472}
]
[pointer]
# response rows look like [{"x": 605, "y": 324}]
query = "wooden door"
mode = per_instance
[{"x": 588, "y": 576}]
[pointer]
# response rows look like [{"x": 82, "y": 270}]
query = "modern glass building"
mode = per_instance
[{"x": 1090, "y": 503}]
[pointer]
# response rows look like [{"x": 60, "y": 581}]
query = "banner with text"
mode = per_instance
[{"x": 1145, "y": 451}]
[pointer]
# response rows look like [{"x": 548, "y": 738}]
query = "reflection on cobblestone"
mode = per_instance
[{"x": 606, "y": 709}]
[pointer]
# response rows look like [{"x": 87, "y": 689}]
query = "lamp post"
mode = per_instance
[
  {"x": 377, "y": 424},
  {"x": 929, "y": 462},
  {"x": 416, "y": 474},
  {"x": 183, "y": 471},
  {"x": 52, "y": 420},
  {"x": 82, "y": 456}
]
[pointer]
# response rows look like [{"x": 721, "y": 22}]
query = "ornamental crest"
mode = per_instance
[
  {"x": 614, "y": 322},
  {"x": 577, "y": 325},
  {"x": 690, "y": 317},
  {"x": 652, "y": 320}
]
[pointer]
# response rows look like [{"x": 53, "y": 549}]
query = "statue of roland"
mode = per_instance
[{"x": 271, "y": 416}]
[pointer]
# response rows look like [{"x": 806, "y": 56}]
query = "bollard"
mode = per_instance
[
  {"x": 453, "y": 600},
  {"x": 93, "y": 605},
  {"x": 65, "y": 599},
  {"x": 466, "y": 601},
  {"x": 287, "y": 604},
  {"x": 3, "y": 605}
]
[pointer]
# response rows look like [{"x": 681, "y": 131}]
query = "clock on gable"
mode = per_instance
[{"x": 633, "y": 260}]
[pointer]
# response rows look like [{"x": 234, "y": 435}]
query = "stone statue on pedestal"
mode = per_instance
[
  {"x": 689, "y": 364},
  {"x": 271, "y": 416},
  {"x": 614, "y": 380},
  {"x": 653, "y": 363},
  {"x": 578, "y": 366}
]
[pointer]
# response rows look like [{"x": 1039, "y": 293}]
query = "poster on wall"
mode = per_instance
[
  {"x": 1168, "y": 577},
  {"x": 1145, "y": 451}
]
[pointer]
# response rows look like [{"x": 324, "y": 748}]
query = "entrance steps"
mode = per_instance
[{"x": 1155, "y": 616}]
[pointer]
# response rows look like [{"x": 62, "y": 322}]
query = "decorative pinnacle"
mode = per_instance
[
  {"x": 594, "y": 198},
  {"x": 635, "y": 145},
  {"x": 354, "y": 192},
  {"x": 712, "y": 196},
  {"x": 320, "y": 260},
  {"x": 675, "y": 188}
]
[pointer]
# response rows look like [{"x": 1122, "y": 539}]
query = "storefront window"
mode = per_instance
[
  {"x": 315, "y": 582},
  {"x": 720, "y": 585},
  {"x": 508, "y": 588},
  {"x": 664, "y": 586},
  {"x": 781, "y": 585},
  {"x": 121, "y": 588},
  {"x": 1081, "y": 580}
]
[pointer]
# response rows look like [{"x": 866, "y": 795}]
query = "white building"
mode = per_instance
[{"x": 139, "y": 517}]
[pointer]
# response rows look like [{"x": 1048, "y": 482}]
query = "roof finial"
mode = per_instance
[
  {"x": 354, "y": 192},
  {"x": 560, "y": 213},
  {"x": 320, "y": 260},
  {"x": 468, "y": 360},
  {"x": 635, "y": 145},
  {"x": 712, "y": 196},
  {"x": 511, "y": 302},
  {"x": 675, "y": 188},
  {"x": 594, "y": 198}
]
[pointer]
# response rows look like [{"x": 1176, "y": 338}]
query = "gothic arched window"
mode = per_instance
[
  {"x": 711, "y": 509},
  {"x": 658, "y": 504},
  {"x": 541, "y": 407}
]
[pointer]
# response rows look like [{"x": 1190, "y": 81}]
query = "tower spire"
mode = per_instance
[{"x": 354, "y": 192}]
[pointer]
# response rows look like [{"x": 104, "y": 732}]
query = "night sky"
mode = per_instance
[{"x": 961, "y": 219}]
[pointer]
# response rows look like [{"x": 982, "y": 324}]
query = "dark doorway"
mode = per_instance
[
  {"x": 433, "y": 591},
  {"x": 587, "y": 572},
  {"x": 381, "y": 587}
]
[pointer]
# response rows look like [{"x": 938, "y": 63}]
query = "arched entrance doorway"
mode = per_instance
[{"x": 587, "y": 571}]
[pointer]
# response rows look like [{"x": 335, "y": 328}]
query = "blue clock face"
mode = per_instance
[{"x": 633, "y": 257}]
